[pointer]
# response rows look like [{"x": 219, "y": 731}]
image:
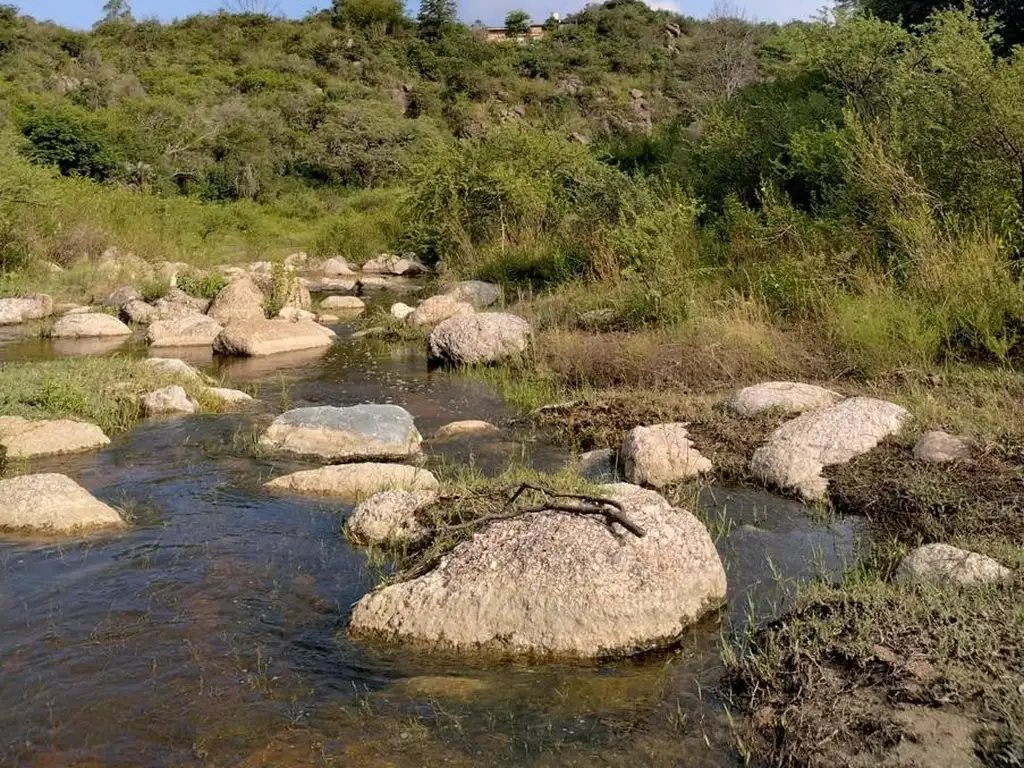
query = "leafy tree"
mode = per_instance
[
  {"x": 73, "y": 143},
  {"x": 116, "y": 12},
  {"x": 1007, "y": 15},
  {"x": 436, "y": 16},
  {"x": 365, "y": 14},
  {"x": 517, "y": 23}
]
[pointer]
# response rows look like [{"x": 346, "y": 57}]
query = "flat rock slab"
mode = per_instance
[
  {"x": 22, "y": 310},
  {"x": 945, "y": 564},
  {"x": 89, "y": 325},
  {"x": 26, "y": 439},
  {"x": 554, "y": 585},
  {"x": 941, "y": 448},
  {"x": 788, "y": 396},
  {"x": 661, "y": 455},
  {"x": 360, "y": 432},
  {"x": 796, "y": 453},
  {"x": 353, "y": 482},
  {"x": 192, "y": 330},
  {"x": 389, "y": 518},
  {"x": 484, "y": 337},
  {"x": 52, "y": 503},
  {"x": 260, "y": 338}
]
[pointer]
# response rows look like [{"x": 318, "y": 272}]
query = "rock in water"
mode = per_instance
[
  {"x": 352, "y": 482},
  {"x": 486, "y": 337},
  {"x": 52, "y": 503},
  {"x": 343, "y": 303},
  {"x": 192, "y": 330},
  {"x": 139, "y": 312},
  {"x": 477, "y": 293},
  {"x": 944, "y": 564},
  {"x": 361, "y": 432},
  {"x": 788, "y": 396},
  {"x": 798, "y": 451},
  {"x": 25, "y": 439},
  {"x": 661, "y": 455},
  {"x": 172, "y": 365},
  {"x": 91, "y": 325},
  {"x": 464, "y": 428},
  {"x": 16, "y": 311},
  {"x": 238, "y": 302},
  {"x": 229, "y": 397},
  {"x": 437, "y": 309},
  {"x": 169, "y": 400},
  {"x": 270, "y": 337},
  {"x": 941, "y": 448},
  {"x": 559, "y": 586},
  {"x": 389, "y": 518},
  {"x": 337, "y": 267}
]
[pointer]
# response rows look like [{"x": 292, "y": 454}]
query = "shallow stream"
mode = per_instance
[{"x": 212, "y": 633}]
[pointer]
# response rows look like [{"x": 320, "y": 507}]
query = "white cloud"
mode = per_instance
[{"x": 665, "y": 5}]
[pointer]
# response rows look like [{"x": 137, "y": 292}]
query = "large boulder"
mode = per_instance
[
  {"x": 238, "y": 302},
  {"x": 437, "y": 309},
  {"x": 941, "y": 448},
  {"x": 661, "y": 455},
  {"x": 16, "y": 311},
  {"x": 356, "y": 433},
  {"x": 558, "y": 585},
  {"x": 796, "y": 453},
  {"x": 90, "y": 325},
  {"x": 122, "y": 296},
  {"x": 787, "y": 396},
  {"x": 353, "y": 482},
  {"x": 139, "y": 312},
  {"x": 52, "y": 503},
  {"x": 168, "y": 400},
  {"x": 477, "y": 293},
  {"x": 27, "y": 439},
  {"x": 944, "y": 564},
  {"x": 389, "y": 518},
  {"x": 484, "y": 337},
  {"x": 337, "y": 267},
  {"x": 188, "y": 331},
  {"x": 259, "y": 338},
  {"x": 229, "y": 398}
]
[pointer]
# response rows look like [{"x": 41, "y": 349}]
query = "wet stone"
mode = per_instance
[
  {"x": 359, "y": 432},
  {"x": 169, "y": 400},
  {"x": 52, "y": 503},
  {"x": 26, "y": 439},
  {"x": 353, "y": 482}
]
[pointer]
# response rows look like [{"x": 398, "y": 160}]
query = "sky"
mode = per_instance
[{"x": 82, "y": 13}]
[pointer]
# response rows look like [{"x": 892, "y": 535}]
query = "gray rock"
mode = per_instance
[
  {"x": 139, "y": 312},
  {"x": 270, "y": 337},
  {"x": 173, "y": 366},
  {"x": 353, "y": 482},
  {"x": 941, "y": 448},
  {"x": 400, "y": 311},
  {"x": 122, "y": 296},
  {"x": 558, "y": 586},
  {"x": 463, "y": 428},
  {"x": 387, "y": 264},
  {"x": 436, "y": 309},
  {"x": 389, "y": 518},
  {"x": 944, "y": 564},
  {"x": 661, "y": 455},
  {"x": 168, "y": 400},
  {"x": 372, "y": 283},
  {"x": 484, "y": 337},
  {"x": 238, "y": 302},
  {"x": 477, "y": 293},
  {"x": 91, "y": 325},
  {"x": 22, "y": 310},
  {"x": 360, "y": 432},
  {"x": 293, "y": 315},
  {"x": 343, "y": 304},
  {"x": 229, "y": 397},
  {"x": 326, "y": 318},
  {"x": 788, "y": 396},
  {"x": 189, "y": 331},
  {"x": 600, "y": 466},
  {"x": 337, "y": 267},
  {"x": 52, "y": 503},
  {"x": 29, "y": 439},
  {"x": 798, "y": 451},
  {"x": 333, "y": 286}
]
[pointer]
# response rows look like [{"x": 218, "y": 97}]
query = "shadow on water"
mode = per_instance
[{"x": 212, "y": 633}]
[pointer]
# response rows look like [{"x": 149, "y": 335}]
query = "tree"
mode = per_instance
[
  {"x": 517, "y": 23},
  {"x": 368, "y": 14},
  {"x": 436, "y": 16},
  {"x": 1007, "y": 15},
  {"x": 117, "y": 11}
]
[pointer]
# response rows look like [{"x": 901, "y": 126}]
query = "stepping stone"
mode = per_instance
[
  {"x": 27, "y": 439},
  {"x": 352, "y": 482},
  {"x": 52, "y": 503},
  {"x": 361, "y": 432}
]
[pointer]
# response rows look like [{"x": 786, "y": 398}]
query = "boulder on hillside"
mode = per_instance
[
  {"x": 661, "y": 455},
  {"x": 343, "y": 304},
  {"x": 356, "y": 433},
  {"x": 353, "y": 482},
  {"x": 260, "y": 338},
  {"x": 172, "y": 365},
  {"x": 90, "y": 325},
  {"x": 337, "y": 267},
  {"x": 388, "y": 264},
  {"x": 389, "y": 518},
  {"x": 139, "y": 312},
  {"x": 52, "y": 503},
  {"x": 168, "y": 400},
  {"x": 476, "y": 292},
  {"x": 28, "y": 439},
  {"x": 941, "y": 448},
  {"x": 22, "y": 310},
  {"x": 188, "y": 331},
  {"x": 122, "y": 296},
  {"x": 436, "y": 309},
  {"x": 796, "y": 453},
  {"x": 944, "y": 564},
  {"x": 555, "y": 585},
  {"x": 484, "y": 337},
  {"x": 238, "y": 302},
  {"x": 788, "y": 396}
]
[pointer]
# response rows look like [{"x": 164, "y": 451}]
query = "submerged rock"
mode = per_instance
[
  {"x": 941, "y": 448},
  {"x": 238, "y": 302},
  {"x": 356, "y": 433},
  {"x": 193, "y": 330},
  {"x": 437, "y": 309},
  {"x": 485, "y": 337},
  {"x": 944, "y": 564},
  {"x": 22, "y": 310},
  {"x": 27, "y": 439},
  {"x": 557, "y": 585},
  {"x": 661, "y": 455},
  {"x": 270, "y": 337},
  {"x": 476, "y": 292},
  {"x": 798, "y": 451},
  {"x": 90, "y": 325},
  {"x": 462, "y": 428},
  {"x": 788, "y": 396},
  {"x": 54, "y": 504},
  {"x": 352, "y": 482},
  {"x": 169, "y": 400},
  {"x": 389, "y": 518}
]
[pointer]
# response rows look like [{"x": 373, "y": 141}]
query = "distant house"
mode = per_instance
[{"x": 497, "y": 34}]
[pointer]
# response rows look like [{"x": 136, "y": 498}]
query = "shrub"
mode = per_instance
[
  {"x": 75, "y": 144},
  {"x": 201, "y": 286}
]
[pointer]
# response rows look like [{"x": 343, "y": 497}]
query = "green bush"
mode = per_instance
[
  {"x": 201, "y": 286},
  {"x": 72, "y": 142}
]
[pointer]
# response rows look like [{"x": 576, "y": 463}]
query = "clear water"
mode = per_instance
[{"x": 212, "y": 633}]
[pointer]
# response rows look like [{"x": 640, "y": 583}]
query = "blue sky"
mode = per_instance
[{"x": 82, "y": 13}]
